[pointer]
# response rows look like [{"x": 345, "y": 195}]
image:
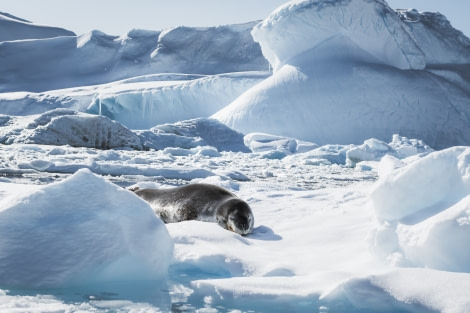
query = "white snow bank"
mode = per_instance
[
  {"x": 95, "y": 57},
  {"x": 81, "y": 231},
  {"x": 14, "y": 28},
  {"x": 424, "y": 207},
  {"x": 372, "y": 26}
]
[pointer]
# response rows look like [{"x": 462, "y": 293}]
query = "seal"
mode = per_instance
[{"x": 202, "y": 202}]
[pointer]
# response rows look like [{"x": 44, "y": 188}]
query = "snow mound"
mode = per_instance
[
  {"x": 81, "y": 231},
  {"x": 342, "y": 76},
  {"x": 96, "y": 57},
  {"x": 424, "y": 208},
  {"x": 66, "y": 127},
  {"x": 14, "y": 28}
]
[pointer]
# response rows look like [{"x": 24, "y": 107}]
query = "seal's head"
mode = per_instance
[{"x": 236, "y": 215}]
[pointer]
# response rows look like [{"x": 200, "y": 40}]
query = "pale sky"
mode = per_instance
[{"x": 117, "y": 17}]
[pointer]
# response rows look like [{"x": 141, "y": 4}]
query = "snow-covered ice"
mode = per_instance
[
  {"x": 352, "y": 153},
  {"x": 317, "y": 243}
]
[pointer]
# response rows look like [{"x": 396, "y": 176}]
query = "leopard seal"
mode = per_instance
[{"x": 202, "y": 202}]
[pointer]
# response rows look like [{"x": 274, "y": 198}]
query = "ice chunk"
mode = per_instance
[
  {"x": 81, "y": 231},
  {"x": 66, "y": 127},
  {"x": 260, "y": 142},
  {"x": 211, "y": 131},
  {"x": 424, "y": 187},
  {"x": 340, "y": 76},
  {"x": 424, "y": 209}
]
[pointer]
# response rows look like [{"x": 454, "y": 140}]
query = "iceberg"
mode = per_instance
[
  {"x": 96, "y": 58},
  {"x": 347, "y": 71}
]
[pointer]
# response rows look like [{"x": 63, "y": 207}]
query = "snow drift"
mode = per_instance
[
  {"x": 346, "y": 71},
  {"x": 78, "y": 232}
]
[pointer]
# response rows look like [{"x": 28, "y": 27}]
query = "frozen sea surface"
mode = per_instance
[{"x": 318, "y": 244}]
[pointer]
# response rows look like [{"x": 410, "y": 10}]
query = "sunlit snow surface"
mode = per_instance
[{"x": 350, "y": 215}]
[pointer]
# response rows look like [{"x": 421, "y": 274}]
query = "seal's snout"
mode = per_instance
[
  {"x": 244, "y": 224},
  {"x": 241, "y": 224}
]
